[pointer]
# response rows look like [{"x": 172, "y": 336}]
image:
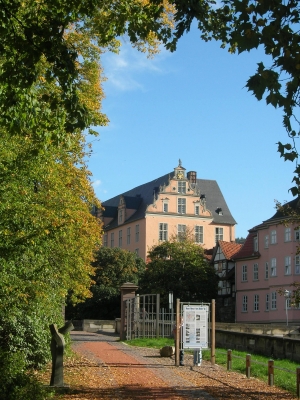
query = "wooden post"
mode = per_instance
[
  {"x": 298, "y": 381},
  {"x": 270, "y": 372},
  {"x": 177, "y": 332},
  {"x": 213, "y": 335},
  {"x": 229, "y": 359},
  {"x": 248, "y": 365}
]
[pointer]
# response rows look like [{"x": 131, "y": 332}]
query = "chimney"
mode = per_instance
[{"x": 192, "y": 176}]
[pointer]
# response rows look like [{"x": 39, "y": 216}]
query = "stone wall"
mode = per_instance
[{"x": 264, "y": 344}]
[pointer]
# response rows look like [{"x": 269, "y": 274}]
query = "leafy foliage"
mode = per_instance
[
  {"x": 179, "y": 267},
  {"x": 113, "y": 267}
]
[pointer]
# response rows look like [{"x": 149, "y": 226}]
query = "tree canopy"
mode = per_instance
[
  {"x": 179, "y": 267},
  {"x": 112, "y": 268}
]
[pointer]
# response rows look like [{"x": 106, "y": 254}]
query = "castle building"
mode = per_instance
[{"x": 171, "y": 206}]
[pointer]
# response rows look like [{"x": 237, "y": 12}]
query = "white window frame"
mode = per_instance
[
  {"x": 120, "y": 238},
  {"x": 244, "y": 273},
  {"x": 267, "y": 302},
  {"x": 197, "y": 209},
  {"x": 199, "y": 234},
  {"x": 162, "y": 231},
  {"x": 181, "y": 187},
  {"x": 273, "y": 301},
  {"x": 219, "y": 234},
  {"x": 255, "y": 272},
  {"x": 112, "y": 240},
  {"x": 165, "y": 207},
  {"x": 137, "y": 233},
  {"x": 297, "y": 265},
  {"x": 273, "y": 267},
  {"x": 255, "y": 243},
  {"x": 256, "y": 303},
  {"x": 273, "y": 236},
  {"x": 128, "y": 235},
  {"x": 267, "y": 270},
  {"x": 287, "y": 265},
  {"x": 120, "y": 216},
  {"x": 181, "y": 231},
  {"x": 245, "y": 304},
  {"x": 287, "y": 234},
  {"x": 266, "y": 241},
  {"x": 105, "y": 240},
  {"x": 181, "y": 205}
]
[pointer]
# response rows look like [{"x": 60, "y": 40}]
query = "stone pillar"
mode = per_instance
[{"x": 127, "y": 292}]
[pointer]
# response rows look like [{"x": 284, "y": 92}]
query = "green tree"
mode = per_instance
[
  {"x": 179, "y": 267},
  {"x": 113, "y": 267}
]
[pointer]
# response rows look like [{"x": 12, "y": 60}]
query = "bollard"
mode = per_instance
[
  {"x": 229, "y": 359},
  {"x": 270, "y": 372},
  {"x": 248, "y": 365},
  {"x": 298, "y": 381}
]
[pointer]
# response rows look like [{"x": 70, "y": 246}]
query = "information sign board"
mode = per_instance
[{"x": 195, "y": 326}]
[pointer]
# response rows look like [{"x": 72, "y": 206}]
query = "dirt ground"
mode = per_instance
[{"x": 107, "y": 369}]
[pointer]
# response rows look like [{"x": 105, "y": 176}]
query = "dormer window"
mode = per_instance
[
  {"x": 255, "y": 243},
  {"x": 121, "y": 216},
  {"x": 197, "y": 209},
  {"x": 219, "y": 211}
]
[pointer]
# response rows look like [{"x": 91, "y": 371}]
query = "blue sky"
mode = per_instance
[{"x": 191, "y": 104}]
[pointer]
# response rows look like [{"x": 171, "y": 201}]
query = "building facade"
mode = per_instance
[
  {"x": 224, "y": 265},
  {"x": 266, "y": 266},
  {"x": 174, "y": 205}
]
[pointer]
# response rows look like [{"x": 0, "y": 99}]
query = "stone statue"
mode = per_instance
[{"x": 57, "y": 352}]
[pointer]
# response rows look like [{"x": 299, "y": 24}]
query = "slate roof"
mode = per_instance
[
  {"x": 141, "y": 196},
  {"x": 229, "y": 249}
]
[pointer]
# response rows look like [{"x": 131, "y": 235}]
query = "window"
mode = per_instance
[
  {"x": 137, "y": 233},
  {"x": 112, "y": 239},
  {"x": 266, "y": 241},
  {"x": 163, "y": 232},
  {"x": 219, "y": 234},
  {"x": 244, "y": 273},
  {"x": 181, "y": 187},
  {"x": 165, "y": 207},
  {"x": 273, "y": 300},
  {"x": 120, "y": 216},
  {"x": 137, "y": 252},
  {"x": 297, "y": 265},
  {"x": 256, "y": 302},
  {"x": 267, "y": 302},
  {"x": 199, "y": 234},
  {"x": 255, "y": 243},
  {"x": 266, "y": 270},
  {"x": 128, "y": 235},
  {"x": 245, "y": 304},
  {"x": 181, "y": 229},
  {"x": 287, "y": 265},
  {"x": 181, "y": 206},
  {"x": 120, "y": 238},
  {"x": 273, "y": 237},
  {"x": 255, "y": 272},
  {"x": 197, "y": 210},
  {"x": 105, "y": 240},
  {"x": 273, "y": 267},
  {"x": 297, "y": 234},
  {"x": 287, "y": 235}
]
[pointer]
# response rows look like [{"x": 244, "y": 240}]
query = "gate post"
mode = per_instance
[{"x": 127, "y": 292}]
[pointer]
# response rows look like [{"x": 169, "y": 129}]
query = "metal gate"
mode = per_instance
[{"x": 145, "y": 319}]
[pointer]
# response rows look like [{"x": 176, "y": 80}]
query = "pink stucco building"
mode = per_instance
[
  {"x": 267, "y": 263},
  {"x": 168, "y": 206}
]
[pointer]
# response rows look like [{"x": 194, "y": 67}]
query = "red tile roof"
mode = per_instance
[
  {"x": 229, "y": 249},
  {"x": 247, "y": 250}
]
